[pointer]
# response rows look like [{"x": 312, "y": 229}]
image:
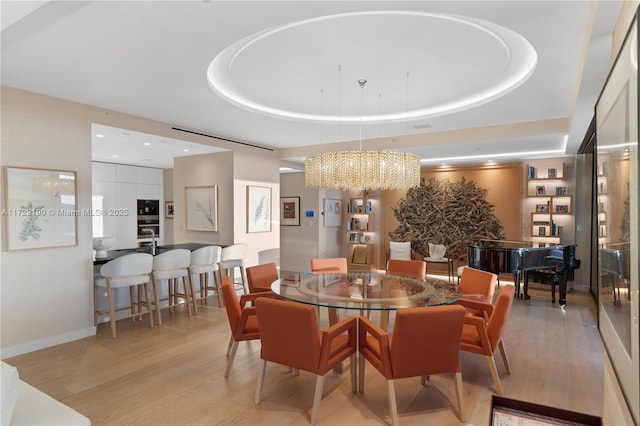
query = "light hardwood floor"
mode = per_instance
[{"x": 174, "y": 374}]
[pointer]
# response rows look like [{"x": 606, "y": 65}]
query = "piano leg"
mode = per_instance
[
  {"x": 563, "y": 289},
  {"x": 516, "y": 282},
  {"x": 525, "y": 294}
]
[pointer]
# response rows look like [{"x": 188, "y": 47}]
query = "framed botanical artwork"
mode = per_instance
[
  {"x": 289, "y": 211},
  {"x": 168, "y": 210},
  {"x": 40, "y": 208},
  {"x": 201, "y": 208},
  {"x": 258, "y": 209},
  {"x": 332, "y": 212}
]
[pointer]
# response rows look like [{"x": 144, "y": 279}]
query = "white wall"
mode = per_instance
[
  {"x": 232, "y": 172},
  {"x": 299, "y": 244},
  {"x": 46, "y": 294}
]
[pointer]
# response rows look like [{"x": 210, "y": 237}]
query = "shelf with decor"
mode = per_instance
[
  {"x": 548, "y": 202},
  {"x": 602, "y": 183},
  {"x": 361, "y": 234}
]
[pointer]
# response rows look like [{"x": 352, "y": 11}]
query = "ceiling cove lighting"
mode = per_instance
[
  {"x": 519, "y": 56},
  {"x": 359, "y": 170}
]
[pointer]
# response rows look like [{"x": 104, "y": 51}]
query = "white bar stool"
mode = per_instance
[
  {"x": 205, "y": 261},
  {"x": 131, "y": 270},
  {"x": 172, "y": 266},
  {"x": 233, "y": 257}
]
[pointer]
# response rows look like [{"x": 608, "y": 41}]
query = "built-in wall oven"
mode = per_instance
[{"x": 148, "y": 219}]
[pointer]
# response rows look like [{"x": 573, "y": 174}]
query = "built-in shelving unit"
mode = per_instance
[
  {"x": 549, "y": 203},
  {"x": 603, "y": 202},
  {"x": 361, "y": 235}
]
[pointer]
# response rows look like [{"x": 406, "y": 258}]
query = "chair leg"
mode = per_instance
[
  {"x": 505, "y": 359},
  {"x": 424, "y": 380},
  {"x": 217, "y": 280},
  {"x": 190, "y": 293},
  {"x": 156, "y": 298},
  {"x": 230, "y": 345},
  {"x": 317, "y": 397},
  {"x": 148, "y": 298},
  {"x": 460, "y": 394},
  {"x": 361, "y": 362},
  {"x": 262, "y": 369},
  {"x": 352, "y": 367},
  {"x": 95, "y": 305},
  {"x": 234, "y": 347},
  {"x": 112, "y": 310},
  {"x": 393, "y": 408},
  {"x": 132, "y": 303},
  {"x": 494, "y": 374}
]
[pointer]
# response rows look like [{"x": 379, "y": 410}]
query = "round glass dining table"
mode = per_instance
[{"x": 364, "y": 290}]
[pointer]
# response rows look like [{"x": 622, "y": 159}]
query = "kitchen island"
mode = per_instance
[{"x": 112, "y": 254}]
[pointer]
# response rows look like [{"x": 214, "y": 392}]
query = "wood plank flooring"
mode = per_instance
[{"x": 174, "y": 374}]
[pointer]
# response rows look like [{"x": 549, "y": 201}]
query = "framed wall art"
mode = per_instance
[
  {"x": 201, "y": 208},
  {"x": 40, "y": 208},
  {"x": 258, "y": 209},
  {"x": 332, "y": 212},
  {"x": 169, "y": 210},
  {"x": 289, "y": 211}
]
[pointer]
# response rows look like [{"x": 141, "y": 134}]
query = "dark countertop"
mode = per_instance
[{"x": 112, "y": 254}]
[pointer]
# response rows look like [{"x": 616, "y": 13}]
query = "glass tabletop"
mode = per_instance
[{"x": 368, "y": 290}]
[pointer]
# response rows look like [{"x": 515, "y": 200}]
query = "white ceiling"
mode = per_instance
[{"x": 151, "y": 59}]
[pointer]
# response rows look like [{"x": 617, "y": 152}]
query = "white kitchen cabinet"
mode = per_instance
[
  {"x": 126, "y": 173},
  {"x": 127, "y": 225}
]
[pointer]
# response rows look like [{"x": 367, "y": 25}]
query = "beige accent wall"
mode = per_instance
[{"x": 505, "y": 192}]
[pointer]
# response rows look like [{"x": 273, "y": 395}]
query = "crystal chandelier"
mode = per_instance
[{"x": 358, "y": 170}]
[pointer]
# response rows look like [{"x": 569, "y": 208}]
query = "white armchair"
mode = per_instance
[{"x": 400, "y": 250}]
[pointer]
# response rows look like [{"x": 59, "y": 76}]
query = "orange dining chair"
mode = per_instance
[
  {"x": 335, "y": 264},
  {"x": 290, "y": 336},
  {"x": 260, "y": 277},
  {"x": 478, "y": 282},
  {"x": 479, "y": 285},
  {"x": 242, "y": 319},
  {"x": 407, "y": 268},
  {"x": 481, "y": 337},
  {"x": 425, "y": 341}
]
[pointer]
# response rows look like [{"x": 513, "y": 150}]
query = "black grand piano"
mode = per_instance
[{"x": 555, "y": 262}]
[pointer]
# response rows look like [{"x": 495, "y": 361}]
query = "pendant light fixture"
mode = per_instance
[{"x": 362, "y": 170}]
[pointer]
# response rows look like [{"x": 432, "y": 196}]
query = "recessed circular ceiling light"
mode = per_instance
[
  {"x": 268, "y": 71},
  {"x": 147, "y": 143},
  {"x": 99, "y": 136}
]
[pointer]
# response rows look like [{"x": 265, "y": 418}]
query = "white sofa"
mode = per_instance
[{"x": 23, "y": 404}]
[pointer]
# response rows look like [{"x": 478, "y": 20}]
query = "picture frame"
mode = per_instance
[
  {"x": 540, "y": 191},
  {"x": 542, "y": 231},
  {"x": 332, "y": 212},
  {"x": 289, "y": 211},
  {"x": 552, "y": 173},
  {"x": 258, "y": 209},
  {"x": 40, "y": 208},
  {"x": 542, "y": 208},
  {"x": 508, "y": 411},
  {"x": 169, "y": 211},
  {"x": 201, "y": 208},
  {"x": 562, "y": 208}
]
